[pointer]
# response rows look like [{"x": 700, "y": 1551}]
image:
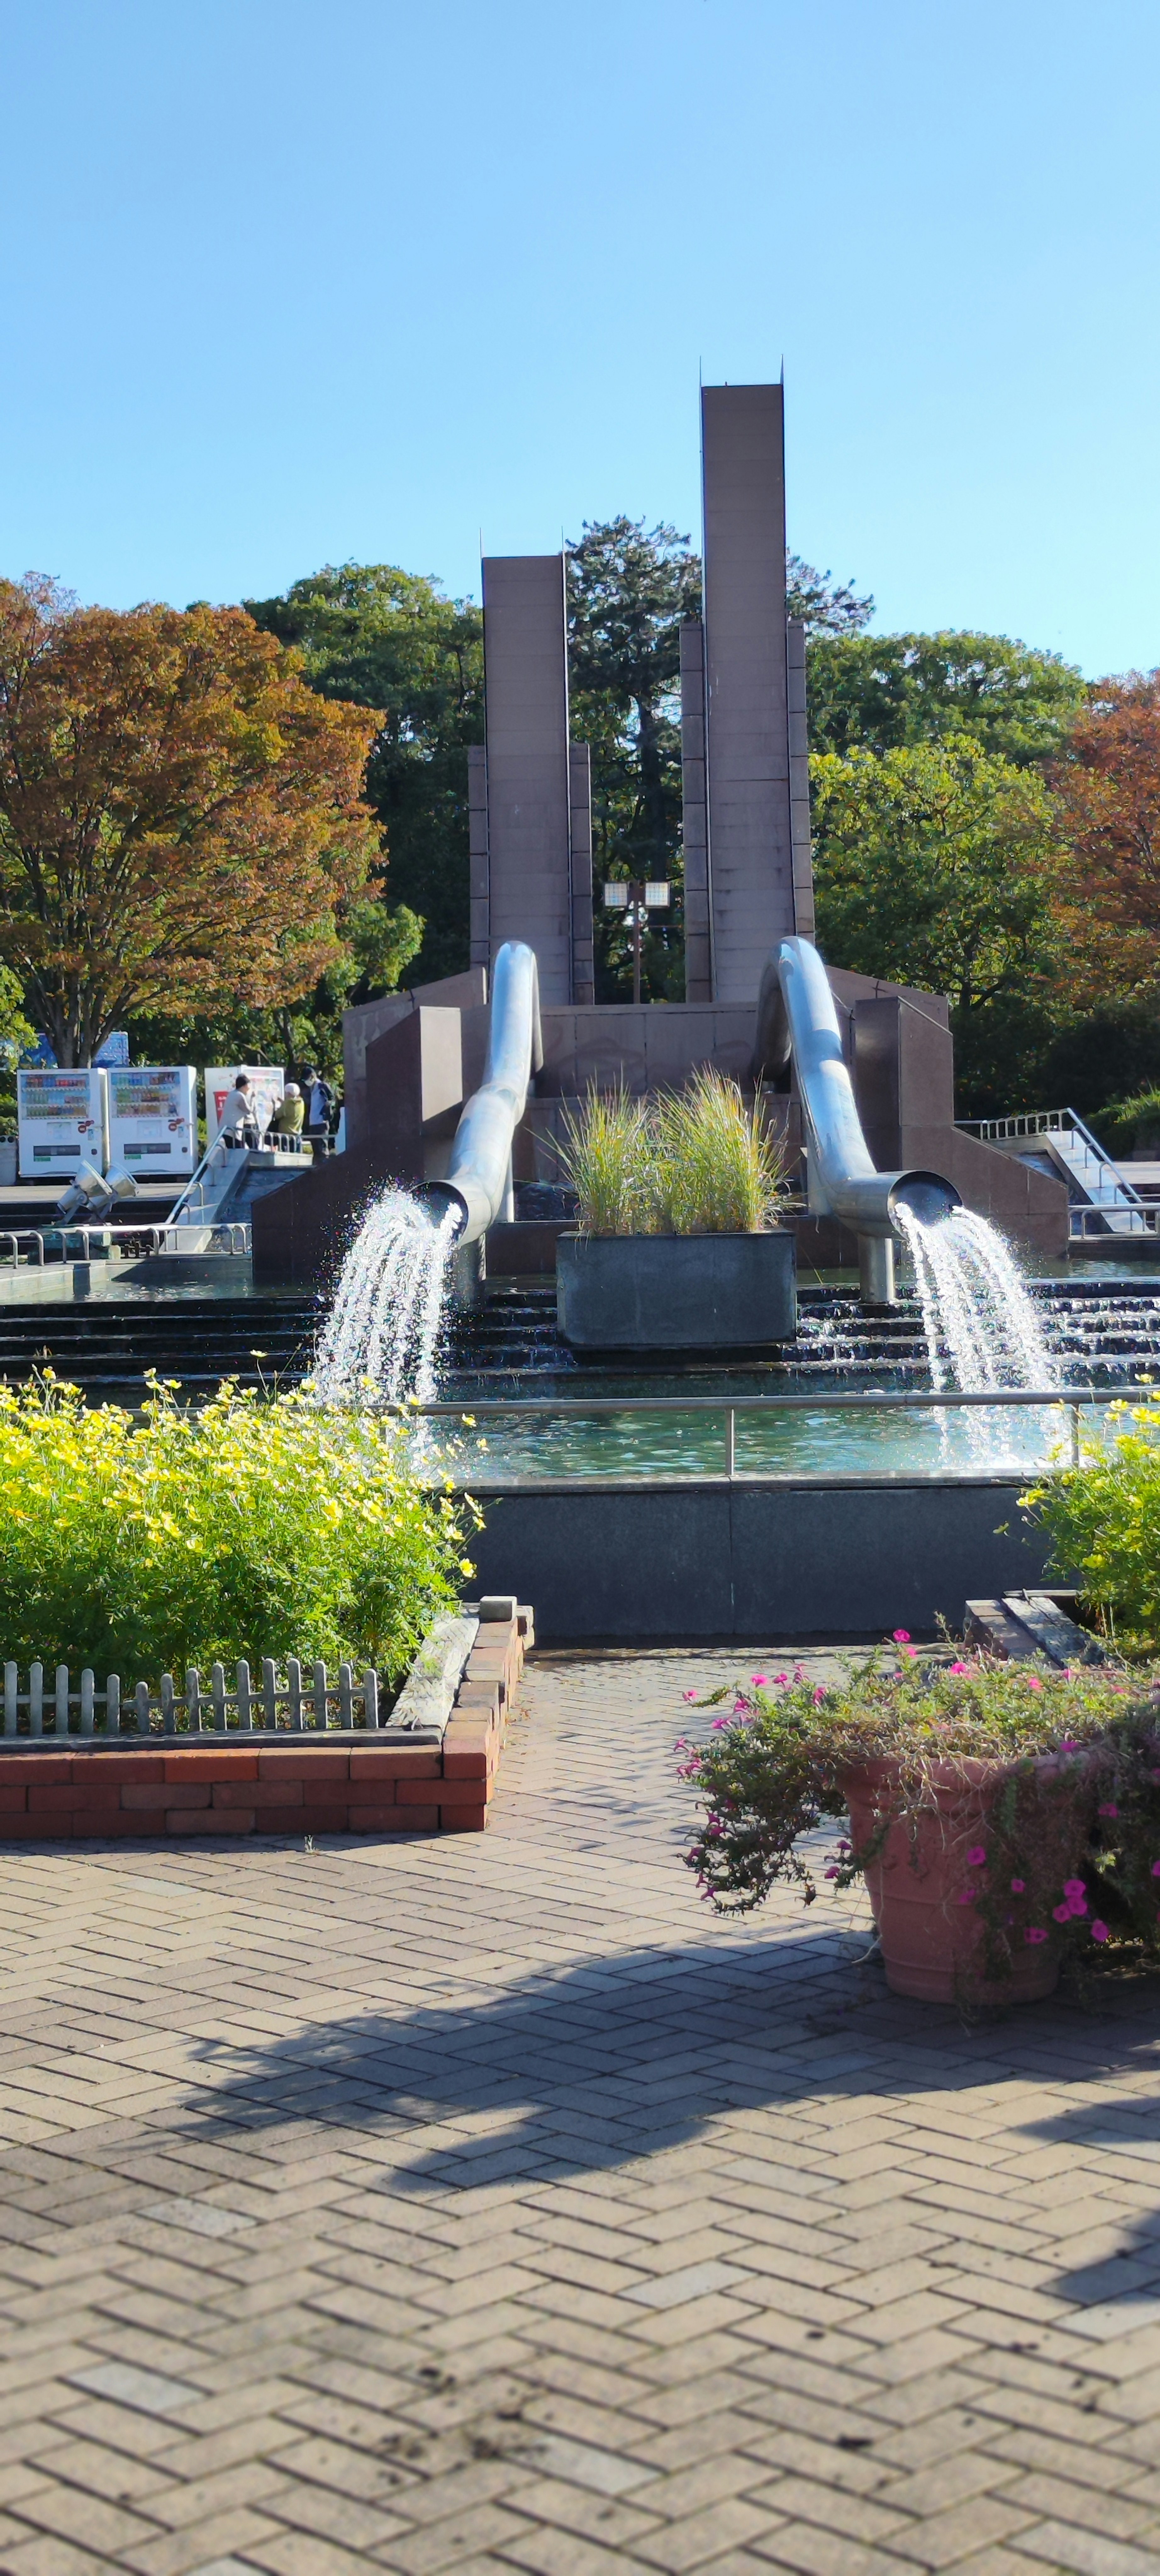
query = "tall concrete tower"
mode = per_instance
[
  {"x": 529, "y": 791},
  {"x": 748, "y": 880}
]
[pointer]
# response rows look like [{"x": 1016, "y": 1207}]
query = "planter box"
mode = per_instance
[
  {"x": 676, "y": 1292},
  {"x": 430, "y": 1769}
]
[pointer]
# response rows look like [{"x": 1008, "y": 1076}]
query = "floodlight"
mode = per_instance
[
  {"x": 84, "y": 1191},
  {"x": 656, "y": 894},
  {"x": 615, "y": 895}
]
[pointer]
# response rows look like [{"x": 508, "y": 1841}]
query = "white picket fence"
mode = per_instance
[{"x": 271, "y": 1706}]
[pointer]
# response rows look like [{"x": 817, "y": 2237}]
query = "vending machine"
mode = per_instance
[
  {"x": 62, "y": 1121},
  {"x": 267, "y": 1083},
  {"x": 153, "y": 1118}
]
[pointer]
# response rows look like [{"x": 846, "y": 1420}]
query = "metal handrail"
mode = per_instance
[
  {"x": 1070, "y": 1399},
  {"x": 893, "y": 1398}
]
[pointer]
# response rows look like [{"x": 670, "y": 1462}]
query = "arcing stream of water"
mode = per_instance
[
  {"x": 979, "y": 1324},
  {"x": 381, "y": 1339}
]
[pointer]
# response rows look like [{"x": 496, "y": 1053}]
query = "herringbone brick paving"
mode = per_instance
[{"x": 484, "y": 2203}]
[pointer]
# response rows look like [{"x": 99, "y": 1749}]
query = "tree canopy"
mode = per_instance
[
  {"x": 393, "y": 641},
  {"x": 887, "y": 692},
  {"x": 179, "y": 814},
  {"x": 933, "y": 865},
  {"x": 1108, "y": 786}
]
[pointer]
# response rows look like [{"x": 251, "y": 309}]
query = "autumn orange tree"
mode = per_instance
[
  {"x": 180, "y": 815},
  {"x": 1108, "y": 794}
]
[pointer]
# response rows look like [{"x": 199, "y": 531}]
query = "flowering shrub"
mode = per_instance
[
  {"x": 1103, "y": 1520},
  {"x": 256, "y": 1526},
  {"x": 779, "y": 1764}
]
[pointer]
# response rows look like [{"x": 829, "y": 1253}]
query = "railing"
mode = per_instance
[
  {"x": 1108, "y": 1195},
  {"x": 234, "y": 1239},
  {"x": 271, "y": 1706},
  {"x": 1069, "y": 1399}
]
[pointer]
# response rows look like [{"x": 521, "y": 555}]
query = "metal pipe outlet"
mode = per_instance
[
  {"x": 796, "y": 1018},
  {"x": 478, "y": 1181}
]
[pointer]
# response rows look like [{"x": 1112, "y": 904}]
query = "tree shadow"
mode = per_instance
[{"x": 611, "y": 2059}]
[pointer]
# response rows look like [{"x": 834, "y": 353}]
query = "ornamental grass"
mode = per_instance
[
  {"x": 254, "y": 1526},
  {"x": 778, "y": 1766},
  {"x": 700, "y": 1161}
]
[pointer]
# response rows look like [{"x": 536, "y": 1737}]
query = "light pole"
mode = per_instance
[{"x": 635, "y": 897}]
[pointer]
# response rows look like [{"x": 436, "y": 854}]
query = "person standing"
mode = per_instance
[
  {"x": 239, "y": 1124},
  {"x": 319, "y": 1104}
]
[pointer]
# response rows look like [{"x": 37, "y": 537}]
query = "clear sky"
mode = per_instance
[{"x": 286, "y": 284}]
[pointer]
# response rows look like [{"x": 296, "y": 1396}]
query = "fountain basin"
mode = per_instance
[{"x": 669, "y": 1292}]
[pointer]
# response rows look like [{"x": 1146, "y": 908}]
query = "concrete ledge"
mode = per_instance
[{"x": 760, "y": 1558}]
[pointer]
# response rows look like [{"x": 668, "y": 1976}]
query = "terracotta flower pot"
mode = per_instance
[{"x": 933, "y": 1938}]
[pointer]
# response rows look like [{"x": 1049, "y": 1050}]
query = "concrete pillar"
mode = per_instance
[
  {"x": 799, "y": 780},
  {"x": 695, "y": 818},
  {"x": 477, "y": 854},
  {"x": 528, "y": 843},
  {"x": 751, "y": 874},
  {"x": 580, "y": 829}
]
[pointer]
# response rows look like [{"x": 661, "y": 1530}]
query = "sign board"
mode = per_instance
[
  {"x": 267, "y": 1083},
  {"x": 113, "y": 1050},
  {"x": 153, "y": 1118},
  {"x": 63, "y": 1121}
]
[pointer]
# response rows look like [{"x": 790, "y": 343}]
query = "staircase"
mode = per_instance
[
  {"x": 1103, "y": 1333},
  {"x": 110, "y": 1347},
  {"x": 1056, "y": 1140}
]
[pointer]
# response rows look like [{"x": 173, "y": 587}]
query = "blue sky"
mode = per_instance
[{"x": 287, "y": 284}]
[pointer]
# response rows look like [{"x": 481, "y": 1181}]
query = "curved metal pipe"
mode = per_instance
[
  {"x": 478, "y": 1174},
  {"x": 796, "y": 1017}
]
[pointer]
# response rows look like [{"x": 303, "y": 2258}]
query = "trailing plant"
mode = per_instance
[
  {"x": 780, "y": 1765},
  {"x": 699, "y": 1161},
  {"x": 256, "y": 1526},
  {"x": 1102, "y": 1518}
]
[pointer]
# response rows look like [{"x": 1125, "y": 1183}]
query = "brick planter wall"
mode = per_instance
[{"x": 251, "y": 1785}]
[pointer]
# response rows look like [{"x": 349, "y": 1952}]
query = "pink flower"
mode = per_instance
[
  {"x": 958, "y": 1668},
  {"x": 1075, "y": 1887},
  {"x": 1033, "y": 1682},
  {"x": 819, "y": 1696},
  {"x": 720, "y": 1721},
  {"x": 901, "y": 1636},
  {"x": 1061, "y": 1912},
  {"x": 688, "y": 1694},
  {"x": 912, "y": 1651},
  {"x": 1077, "y": 1905},
  {"x": 967, "y": 1895},
  {"x": 1018, "y": 1887},
  {"x": 833, "y": 1873},
  {"x": 1033, "y": 1933},
  {"x": 1099, "y": 1931},
  {"x": 1109, "y": 1811},
  {"x": 1156, "y": 1869},
  {"x": 976, "y": 1857},
  {"x": 760, "y": 1681}
]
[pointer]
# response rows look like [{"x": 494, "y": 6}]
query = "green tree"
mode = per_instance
[
  {"x": 933, "y": 865},
  {"x": 888, "y": 692},
  {"x": 629, "y": 587},
  {"x": 379, "y": 637},
  {"x": 376, "y": 941},
  {"x": 16, "y": 1033}
]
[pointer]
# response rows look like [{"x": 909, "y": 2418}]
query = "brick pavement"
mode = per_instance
[{"x": 484, "y": 2204}]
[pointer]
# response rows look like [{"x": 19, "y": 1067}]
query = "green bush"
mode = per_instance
[
  {"x": 1103, "y": 1521},
  {"x": 1128, "y": 1126},
  {"x": 699, "y": 1161},
  {"x": 256, "y": 1526}
]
